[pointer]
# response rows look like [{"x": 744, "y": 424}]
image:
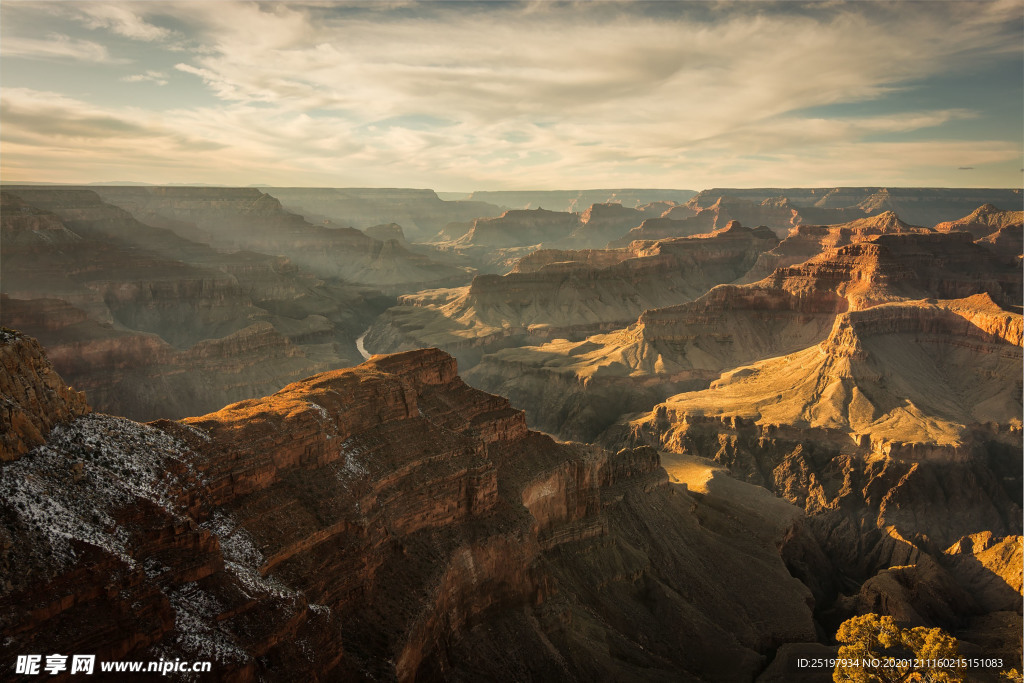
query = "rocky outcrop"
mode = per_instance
[
  {"x": 807, "y": 241},
  {"x": 385, "y": 232},
  {"x": 919, "y": 206},
  {"x": 984, "y": 221},
  {"x": 685, "y": 347},
  {"x": 696, "y": 218},
  {"x": 583, "y": 293},
  {"x": 33, "y": 399},
  {"x": 898, "y": 434},
  {"x": 520, "y": 228},
  {"x": 931, "y": 395},
  {"x": 383, "y": 522},
  {"x": 602, "y": 223}
]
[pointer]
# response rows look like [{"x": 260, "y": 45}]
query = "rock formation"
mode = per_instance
[
  {"x": 33, "y": 398},
  {"x": 385, "y": 522},
  {"x": 685, "y": 347},
  {"x": 984, "y": 221},
  {"x": 421, "y": 212},
  {"x": 580, "y": 293},
  {"x": 154, "y": 325},
  {"x": 806, "y": 241},
  {"x": 898, "y": 434},
  {"x": 694, "y": 218},
  {"x": 918, "y": 206},
  {"x": 578, "y": 200},
  {"x": 246, "y": 218}
]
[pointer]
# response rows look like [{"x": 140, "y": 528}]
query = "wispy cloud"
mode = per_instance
[
  {"x": 158, "y": 77},
  {"x": 121, "y": 18},
  {"x": 474, "y": 94},
  {"x": 59, "y": 47}
]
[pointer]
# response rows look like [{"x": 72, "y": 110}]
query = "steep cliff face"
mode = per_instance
[
  {"x": 585, "y": 292},
  {"x": 898, "y": 434},
  {"x": 685, "y": 347},
  {"x": 945, "y": 367},
  {"x": 383, "y": 522},
  {"x": 33, "y": 399},
  {"x": 602, "y": 223},
  {"x": 129, "y": 311}
]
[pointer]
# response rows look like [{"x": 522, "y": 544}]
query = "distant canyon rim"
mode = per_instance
[{"x": 620, "y": 434}]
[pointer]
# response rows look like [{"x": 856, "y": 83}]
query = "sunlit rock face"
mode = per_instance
[
  {"x": 562, "y": 293},
  {"x": 385, "y": 521},
  {"x": 687, "y": 346}
]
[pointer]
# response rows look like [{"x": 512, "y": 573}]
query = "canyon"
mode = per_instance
[
  {"x": 381, "y": 522},
  {"x": 761, "y": 412},
  {"x": 571, "y": 293}
]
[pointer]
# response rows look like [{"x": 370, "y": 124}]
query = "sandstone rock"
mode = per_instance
[
  {"x": 34, "y": 399},
  {"x": 581, "y": 293},
  {"x": 385, "y": 521},
  {"x": 984, "y": 221}
]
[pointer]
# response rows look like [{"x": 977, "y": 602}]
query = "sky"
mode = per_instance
[{"x": 462, "y": 96}]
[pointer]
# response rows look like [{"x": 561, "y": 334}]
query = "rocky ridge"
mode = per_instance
[
  {"x": 421, "y": 212},
  {"x": 806, "y": 241},
  {"x": 918, "y": 206},
  {"x": 581, "y": 293},
  {"x": 33, "y": 399},
  {"x": 685, "y": 347},
  {"x": 695, "y": 218},
  {"x": 383, "y": 522}
]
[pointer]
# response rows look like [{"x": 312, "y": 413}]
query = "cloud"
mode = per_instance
[
  {"x": 57, "y": 46},
  {"x": 120, "y": 18},
  {"x": 549, "y": 93},
  {"x": 158, "y": 77}
]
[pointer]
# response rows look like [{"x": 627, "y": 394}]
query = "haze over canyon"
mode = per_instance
[{"x": 611, "y": 434}]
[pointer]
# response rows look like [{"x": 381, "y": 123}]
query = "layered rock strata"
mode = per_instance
[
  {"x": 696, "y": 218},
  {"x": 33, "y": 398},
  {"x": 154, "y": 325},
  {"x": 919, "y": 206},
  {"x": 807, "y": 241},
  {"x": 581, "y": 293},
  {"x": 898, "y": 435},
  {"x": 685, "y": 347},
  {"x": 383, "y": 522}
]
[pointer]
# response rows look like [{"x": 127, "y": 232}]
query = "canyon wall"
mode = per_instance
[{"x": 383, "y": 522}]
